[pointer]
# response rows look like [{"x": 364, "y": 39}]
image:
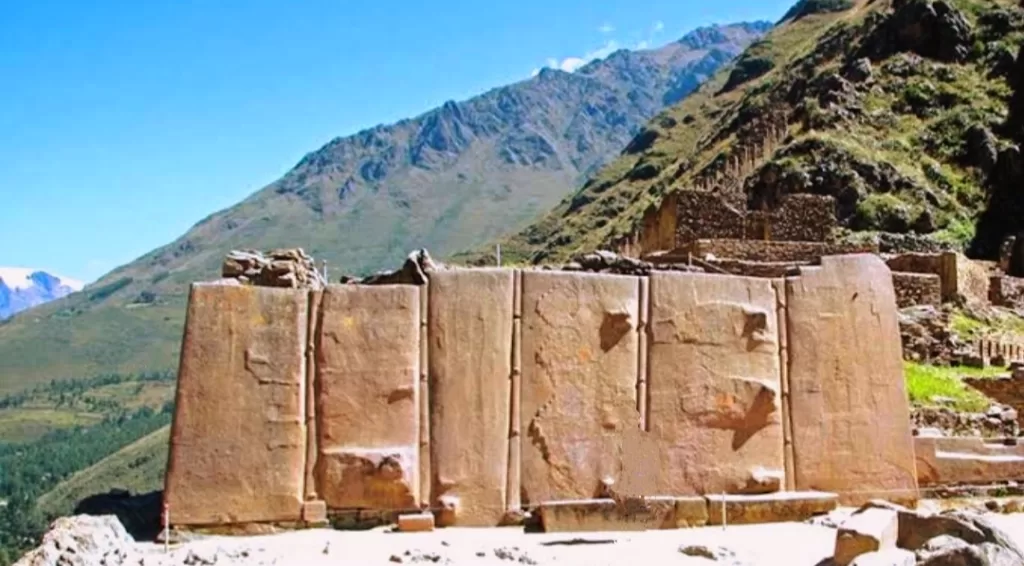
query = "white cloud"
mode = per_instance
[
  {"x": 644, "y": 44},
  {"x": 570, "y": 64},
  {"x": 658, "y": 26},
  {"x": 606, "y": 28}
]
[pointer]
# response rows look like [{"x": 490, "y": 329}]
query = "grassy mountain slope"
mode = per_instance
[
  {"x": 138, "y": 467},
  {"x": 450, "y": 179},
  {"x": 899, "y": 108}
]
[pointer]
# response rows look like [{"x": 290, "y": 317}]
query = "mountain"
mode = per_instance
[
  {"x": 22, "y": 288},
  {"x": 909, "y": 112},
  {"x": 450, "y": 179}
]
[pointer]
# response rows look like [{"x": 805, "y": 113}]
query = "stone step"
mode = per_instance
[{"x": 778, "y": 507}]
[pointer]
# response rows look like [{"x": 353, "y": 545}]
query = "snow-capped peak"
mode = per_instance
[{"x": 21, "y": 278}]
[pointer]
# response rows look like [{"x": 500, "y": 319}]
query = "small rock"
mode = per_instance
[
  {"x": 868, "y": 530},
  {"x": 716, "y": 553},
  {"x": 889, "y": 557}
]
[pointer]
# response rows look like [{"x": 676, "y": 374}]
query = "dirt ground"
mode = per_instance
[{"x": 789, "y": 544}]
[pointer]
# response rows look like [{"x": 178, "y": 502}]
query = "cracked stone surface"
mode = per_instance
[
  {"x": 245, "y": 344},
  {"x": 367, "y": 396},
  {"x": 579, "y": 352},
  {"x": 470, "y": 330},
  {"x": 851, "y": 421},
  {"x": 715, "y": 414}
]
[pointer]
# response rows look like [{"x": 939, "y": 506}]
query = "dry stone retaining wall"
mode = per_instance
[
  {"x": 917, "y": 289},
  {"x": 959, "y": 276},
  {"x": 765, "y": 251},
  {"x": 485, "y": 391}
]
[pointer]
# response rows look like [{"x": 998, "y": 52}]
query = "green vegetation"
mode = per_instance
[
  {"x": 883, "y": 129},
  {"x": 807, "y": 7},
  {"x": 138, "y": 467},
  {"x": 993, "y": 323},
  {"x": 54, "y": 431},
  {"x": 925, "y": 383}
]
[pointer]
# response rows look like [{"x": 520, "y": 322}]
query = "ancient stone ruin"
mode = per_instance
[{"x": 588, "y": 400}]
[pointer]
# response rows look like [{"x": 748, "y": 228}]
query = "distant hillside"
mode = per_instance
[
  {"x": 22, "y": 289},
  {"x": 138, "y": 468},
  {"x": 909, "y": 112},
  {"x": 449, "y": 179}
]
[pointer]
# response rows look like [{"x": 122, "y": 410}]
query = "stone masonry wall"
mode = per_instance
[
  {"x": 703, "y": 215},
  {"x": 763, "y": 251},
  {"x": 960, "y": 277},
  {"x": 917, "y": 289},
  {"x": 487, "y": 391}
]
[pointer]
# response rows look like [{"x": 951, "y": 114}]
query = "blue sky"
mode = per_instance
[{"x": 124, "y": 123}]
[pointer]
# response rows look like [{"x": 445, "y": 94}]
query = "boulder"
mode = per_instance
[
  {"x": 931, "y": 28},
  {"x": 984, "y": 554},
  {"x": 414, "y": 271},
  {"x": 81, "y": 540},
  {"x": 870, "y": 530},
  {"x": 889, "y": 557}
]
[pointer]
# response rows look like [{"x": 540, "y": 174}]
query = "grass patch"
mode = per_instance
[
  {"x": 925, "y": 382},
  {"x": 998, "y": 322}
]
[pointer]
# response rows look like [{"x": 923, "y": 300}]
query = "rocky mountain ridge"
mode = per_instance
[
  {"x": 903, "y": 110},
  {"x": 454, "y": 177},
  {"x": 23, "y": 288}
]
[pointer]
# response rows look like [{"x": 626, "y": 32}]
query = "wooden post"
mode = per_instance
[{"x": 166, "y": 520}]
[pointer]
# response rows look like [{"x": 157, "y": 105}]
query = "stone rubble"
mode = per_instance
[
  {"x": 998, "y": 421},
  {"x": 926, "y": 337},
  {"x": 604, "y": 261},
  {"x": 289, "y": 268},
  {"x": 949, "y": 538}
]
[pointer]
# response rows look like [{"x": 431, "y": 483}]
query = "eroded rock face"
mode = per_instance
[
  {"x": 579, "y": 381},
  {"x": 238, "y": 441},
  {"x": 367, "y": 397},
  {"x": 850, "y": 416},
  {"x": 81, "y": 541},
  {"x": 715, "y": 412},
  {"x": 383, "y": 478},
  {"x": 931, "y": 28},
  {"x": 470, "y": 357}
]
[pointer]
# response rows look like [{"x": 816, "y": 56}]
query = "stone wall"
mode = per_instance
[
  {"x": 950, "y": 460},
  {"x": 701, "y": 215},
  {"x": 487, "y": 391},
  {"x": 1006, "y": 291},
  {"x": 706, "y": 216},
  {"x": 765, "y": 251},
  {"x": 1007, "y": 390},
  {"x": 798, "y": 218},
  {"x": 960, "y": 278},
  {"x": 917, "y": 289}
]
